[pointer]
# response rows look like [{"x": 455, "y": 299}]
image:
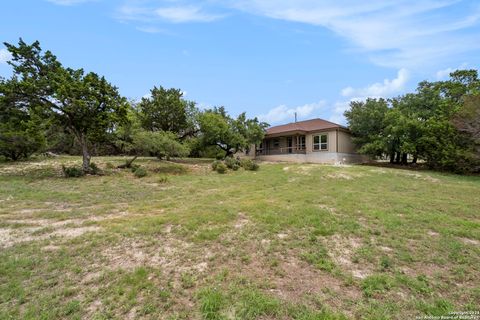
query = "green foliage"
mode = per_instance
[
  {"x": 140, "y": 172},
  {"x": 159, "y": 143},
  {"x": 249, "y": 164},
  {"x": 86, "y": 104},
  {"x": 21, "y": 132},
  {"x": 215, "y": 164},
  {"x": 72, "y": 172},
  {"x": 166, "y": 110},
  {"x": 232, "y": 163},
  {"x": 221, "y": 168},
  {"x": 217, "y": 128},
  {"x": 94, "y": 169},
  {"x": 162, "y": 179},
  {"x": 439, "y": 124}
]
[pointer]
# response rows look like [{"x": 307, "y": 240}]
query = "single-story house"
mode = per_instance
[{"x": 315, "y": 141}]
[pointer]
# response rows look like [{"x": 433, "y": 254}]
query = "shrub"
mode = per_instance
[
  {"x": 134, "y": 167},
  {"x": 72, "y": 172},
  {"x": 232, "y": 163},
  {"x": 248, "y": 164},
  {"x": 163, "y": 179},
  {"x": 94, "y": 169},
  {"x": 221, "y": 168},
  {"x": 215, "y": 164},
  {"x": 140, "y": 172},
  {"x": 109, "y": 165}
]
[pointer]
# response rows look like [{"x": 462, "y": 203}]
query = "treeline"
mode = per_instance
[
  {"x": 438, "y": 124},
  {"x": 45, "y": 106}
]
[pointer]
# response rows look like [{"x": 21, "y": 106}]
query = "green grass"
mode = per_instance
[{"x": 289, "y": 241}]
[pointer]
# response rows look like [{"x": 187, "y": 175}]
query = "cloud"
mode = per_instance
[
  {"x": 185, "y": 14},
  {"x": 387, "y": 88},
  {"x": 5, "y": 56},
  {"x": 404, "y": 33},
  {"x": 445, "y": 73},
  {"x": 69, "y": 2},
  {"x": 152, "y": 12},
  {"x": 282, "y": 112}
]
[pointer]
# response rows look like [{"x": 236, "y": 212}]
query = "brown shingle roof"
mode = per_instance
[{"x": 304, "y": 126}]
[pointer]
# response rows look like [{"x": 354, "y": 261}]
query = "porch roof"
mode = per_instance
[{"x": 302, "y": 127}]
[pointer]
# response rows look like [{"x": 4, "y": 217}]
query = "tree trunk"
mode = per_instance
[
  {"x": 397, "y": 159},
  {"x": 392, "y": 156},
  {"x": 415, "y": 157},
  {"x": 404, "y": 158},
  {"x": 85, "y": 154},
  {"x": 128, "y": 163}
]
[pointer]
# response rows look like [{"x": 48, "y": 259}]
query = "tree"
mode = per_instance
[
  {"x": 167, "y": 110},
  {"x": 367, "y": 122},
  {"x": 439, "y": 123},
  {"x": 86, "y": 104},
  {"x": 217, "y": 128},
  {"x": 21, "y": 132}
]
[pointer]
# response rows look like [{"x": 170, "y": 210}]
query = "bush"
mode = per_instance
[
  {"x": 232, "y": 163},
  {"x": 221, "y": 168},
  {"x": 163, "y": 179},
  {"x": 140, "y": 172},
  {"x": 110, "y": 165},
  {"x": 134, "y": 167},
  {"x": 94, "y": 169},
  {"x": 215, "y": 164},
  {"x": 248, "y": 164},
  {"x": 72, "y": 172}
]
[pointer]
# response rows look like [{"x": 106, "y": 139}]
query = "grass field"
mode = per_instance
[{"x": 285, "y": 242}]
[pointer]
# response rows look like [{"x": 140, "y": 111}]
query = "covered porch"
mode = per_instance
[{"x": 287, "y": 144}]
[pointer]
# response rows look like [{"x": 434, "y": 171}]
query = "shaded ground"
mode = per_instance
[{"x": 285, "y": 242}]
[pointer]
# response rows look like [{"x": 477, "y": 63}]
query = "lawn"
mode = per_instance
[{"x": 289, "y": 241}]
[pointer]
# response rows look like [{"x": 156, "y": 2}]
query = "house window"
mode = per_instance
[
  {"x": 320, "y": 142},
  {"x": 301, "y": 142},
  {"x": 276, "y": 143}
]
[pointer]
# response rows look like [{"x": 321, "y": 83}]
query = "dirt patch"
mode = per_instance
[
  {"x": 339, "y": 175},
  {"x": 241, "y": 221},
  {"x": 294, "y": 280},
  {"x": 421, "y": 177},
  {"x": 342, "y": 249},
  {"x": 329, "y": 209},
  {"x": 470, "y": 241},
  {"x": 10, "y": 237}
]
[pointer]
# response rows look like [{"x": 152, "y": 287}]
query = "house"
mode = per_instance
[{"x": 315, "y": 141}]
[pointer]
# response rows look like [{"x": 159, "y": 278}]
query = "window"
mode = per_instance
[
  {"x": 320, "y": 142},
  {"x": 276, "y": 143},
  {"x": 301, "y": 142}
]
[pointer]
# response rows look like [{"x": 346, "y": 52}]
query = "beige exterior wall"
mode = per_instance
[{"x": 345, "y": 143}]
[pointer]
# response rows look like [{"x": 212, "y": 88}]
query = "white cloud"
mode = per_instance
[
  {"x": 384, "y": 89},
  {"x": 151, "y": 12},
  {"x": 185, "y": 14},
  {"x": 152, "y": 29},
  {"x": 69, "y": 2},
  {"x": 445, "y": 73},
  {"x": 5, "y": 55},
  {"x": 403, "y": 33},
  {"x": 282, "y": 112}
]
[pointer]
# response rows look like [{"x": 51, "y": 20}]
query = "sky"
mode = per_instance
[{"x": 269, "y": 58}]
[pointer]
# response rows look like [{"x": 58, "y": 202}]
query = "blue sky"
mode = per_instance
[{"x": 270, "y": 58}]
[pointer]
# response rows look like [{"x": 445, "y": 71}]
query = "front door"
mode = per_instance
[{"x": 289, "y": 144}]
